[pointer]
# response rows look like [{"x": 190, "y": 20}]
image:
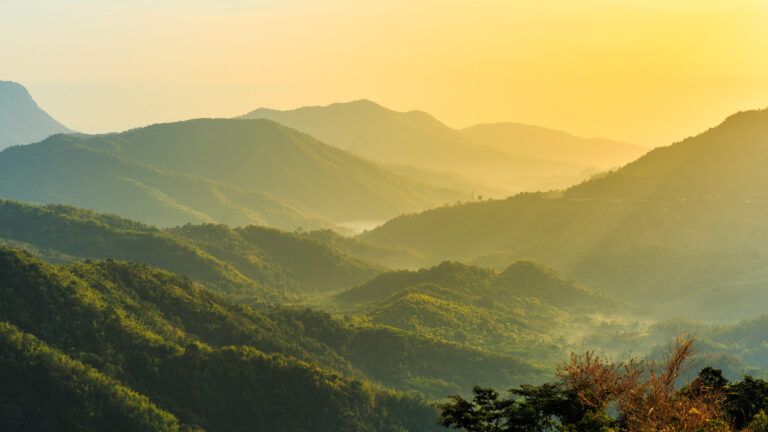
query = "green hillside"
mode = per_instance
[
  {"x": 152, "y": 347},
  {"x": 46, "y": 390},
  {"x": 253, "y": 263},
  {"x": 511, "y": 312},
  {"x": 677, "y": 227},
  {"x": 237, "y": 172},
  {"x": 276, "y": 258},
  {"x": 416, "y": 139}
]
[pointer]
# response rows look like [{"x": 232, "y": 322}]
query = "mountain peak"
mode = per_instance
[
  {"x": 9, "y": 87},
  {"x": 22, "y": 121}
]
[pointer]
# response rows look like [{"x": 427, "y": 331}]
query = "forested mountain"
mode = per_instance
[
  {"x": 142, "y": 345},
  {"x": 538, "y": 142},
  {"x": 512, "y": 311},
  {"x": 175, "y": 345},
  {"x": 21, "y": 120},
  {"x": 237, "y": 172},
  {"x": 252, "y": 263},
  {"x": 416, "y": 139},
  {"x": 681, "y": 225}
]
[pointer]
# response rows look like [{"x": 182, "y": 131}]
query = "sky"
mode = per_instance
[{"x": 644, "y": 71}]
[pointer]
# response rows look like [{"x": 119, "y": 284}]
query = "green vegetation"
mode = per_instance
[
  {"x": 509, "y": 312},
  {"x": 672, "y": 230},
  {"x": 190, "y": 353},
  {"x": 251, "y": 263},
  {"x": 46, "y": 390},
  {"x": 186, "y": 351},
  {"x": 238, "y": 172},
  {"x": 209, "y": 327},
  {"x": 277, "y": 258},
  {"x": 595, "y": 395}
]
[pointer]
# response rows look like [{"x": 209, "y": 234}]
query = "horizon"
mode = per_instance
[{"x": 528, "y": 62}]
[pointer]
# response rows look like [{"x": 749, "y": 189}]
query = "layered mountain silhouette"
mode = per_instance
[
  {"x": 237, "y": 172},
  {"x": 682, "y": 223},
  {"x": 21, "y": 120},
  {"x": 545, "y": 160},
  {"x": 538, "y": 142}
]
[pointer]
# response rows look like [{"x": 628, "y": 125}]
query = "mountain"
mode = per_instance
[
  {"x": 144, "y": 347},
  {"x": 37, "y": 378},
  {"x": 237, "y": 172},
  {"x": 183, "y": 350},
  {"x": 510, "y": 312},
  {"x": 21, "y": 120},
  {"x": 276, "y": 258},
  {"x": 257, "y": 265},
  {"x": 250, "y": 263},
  {"x": 680, "y": 227},
  {"x": 538, "y": 142},
  {"x": 416, "y": 139}
]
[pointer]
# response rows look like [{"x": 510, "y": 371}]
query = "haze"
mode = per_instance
[{"x": 642, "y": 71}]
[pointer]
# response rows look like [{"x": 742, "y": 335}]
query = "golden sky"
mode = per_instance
[{"x": 644, "y": 71}]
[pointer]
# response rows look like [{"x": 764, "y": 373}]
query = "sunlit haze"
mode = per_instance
[{"x": 643, "y": 71}]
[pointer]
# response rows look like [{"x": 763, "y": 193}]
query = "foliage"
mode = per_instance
[
  {"x": 510, "y": 312},
  {"x": 220, "y": 366},
  {"x": 46, "y": 390},
  {"x": 594, "y": 394},
  {"x": 251, "y": 263}
]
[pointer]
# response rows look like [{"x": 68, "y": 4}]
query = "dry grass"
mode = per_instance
[{"x": 645, "y": 393}]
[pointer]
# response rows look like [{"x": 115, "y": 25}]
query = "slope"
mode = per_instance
[
  {"x": 237, "y": 172},
  {"x": 21, "y": 120},
  {"x": 511, "y": 312},
  {"x": 417, "y": 139},
  {"x": 252, "y": 263},
  {"x": 682, "y": 223},
  {"x": 202, "y": 359}
]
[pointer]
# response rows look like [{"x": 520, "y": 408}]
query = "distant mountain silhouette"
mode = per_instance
[
  {"x": 237, "y": 172},
  {"x": 418, "y": 140},
  {"x": 683, "y": 225},
  {"x": 21, "y": 120},
  {"x": 538, "y": 142}
]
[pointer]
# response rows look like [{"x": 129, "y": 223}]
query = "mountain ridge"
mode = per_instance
[
  {"x": 237, "y": 172},
  {"x": 681, "y": 224},
  {"x": 418, "y": 139}
]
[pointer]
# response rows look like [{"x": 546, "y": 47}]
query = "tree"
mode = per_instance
[
  {"x": 643, "y": 396},
  {"x": 549, "y": 407}
]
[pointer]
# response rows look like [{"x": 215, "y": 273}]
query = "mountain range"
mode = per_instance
[
  {"x": 681, "y": 225},
  {"x": 518, "y": 158},
  {"x": 236, "y": 172}
]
